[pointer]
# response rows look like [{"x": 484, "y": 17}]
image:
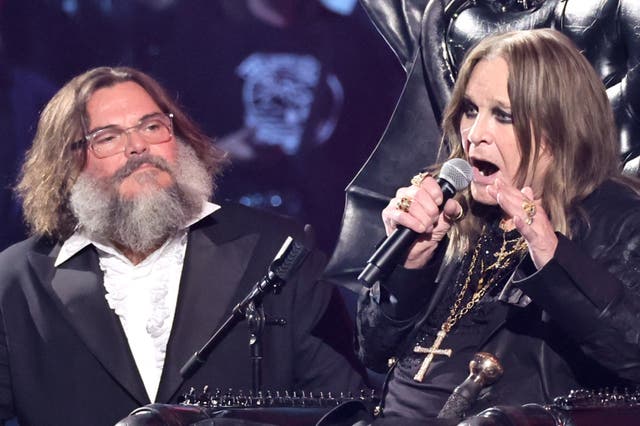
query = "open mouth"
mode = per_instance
[{"x": 486, "y": 168}]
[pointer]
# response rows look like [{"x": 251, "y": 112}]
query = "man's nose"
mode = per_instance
[
  {"x": 135, "y": 143},
  {"x": 479, "y": 131}
]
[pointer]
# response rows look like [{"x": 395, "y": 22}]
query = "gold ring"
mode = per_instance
[
  {"x": 417, "y": 179},
  {"x": 529, "y": 208},
  {"x": 459, "y": 216},
  {"x": 404, "y": 204}
]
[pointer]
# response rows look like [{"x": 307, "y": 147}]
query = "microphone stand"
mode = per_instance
[
  {"x": 286, "y": 262},
  {"x": 256, "y": 321},
  {"x": 251, "y": 309}
]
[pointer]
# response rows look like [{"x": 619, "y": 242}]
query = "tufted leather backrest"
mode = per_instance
[{"x": 606, "y": 31}]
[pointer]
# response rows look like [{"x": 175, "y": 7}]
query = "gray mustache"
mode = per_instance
[{"x": 133, "y": 163}]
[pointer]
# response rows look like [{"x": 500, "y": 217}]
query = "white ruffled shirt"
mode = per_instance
[{"x": 144, "y": 296}]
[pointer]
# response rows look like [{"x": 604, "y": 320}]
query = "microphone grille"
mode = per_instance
[{"x": 457, "y": 172}]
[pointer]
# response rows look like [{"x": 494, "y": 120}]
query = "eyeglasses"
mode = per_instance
[{"x": 112, "y": 140}]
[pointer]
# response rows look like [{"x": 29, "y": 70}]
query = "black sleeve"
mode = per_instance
[
  {"x": 387, "y": 312},
  {"x": 595, "y": 297},
  {"x": 7, "y": 410},
  {"x": 6, "y": 393}
]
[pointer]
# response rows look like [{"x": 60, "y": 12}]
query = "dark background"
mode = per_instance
[{"x": 320, "y": 81}]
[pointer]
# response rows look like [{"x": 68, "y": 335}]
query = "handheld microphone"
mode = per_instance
[{"x": 455, "y": 174}]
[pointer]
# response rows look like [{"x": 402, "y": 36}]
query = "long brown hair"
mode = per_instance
[
  {"x": 557, "y": 101},
  {"x": 52, "y": 165}
]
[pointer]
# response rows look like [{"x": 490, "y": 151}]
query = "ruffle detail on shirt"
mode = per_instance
[{"x": 120, "y": 280}]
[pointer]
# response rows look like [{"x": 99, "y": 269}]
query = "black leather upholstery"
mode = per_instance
[{"x": 606, "y": 31}]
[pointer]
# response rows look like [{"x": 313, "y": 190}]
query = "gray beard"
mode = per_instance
[{"x": 143, "y": 222}]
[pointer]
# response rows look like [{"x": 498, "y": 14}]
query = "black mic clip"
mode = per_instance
[{"x": 288, "y": 259}]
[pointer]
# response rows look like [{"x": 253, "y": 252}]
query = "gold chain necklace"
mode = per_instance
[{"x": 503, "y": 259}]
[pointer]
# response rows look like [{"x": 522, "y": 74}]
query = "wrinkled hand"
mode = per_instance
[
  {"x": 539, "y": 234},
  {"x": 424, "y": 217}
]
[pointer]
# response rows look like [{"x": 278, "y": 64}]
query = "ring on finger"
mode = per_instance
[
  {"x": 417, "y": 179},
  {"x": 529, "y": 208},
  {"x": 458, "y": 217},
  {"x": 404, "y": 204}
]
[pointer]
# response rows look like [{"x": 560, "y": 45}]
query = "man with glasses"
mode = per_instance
[{"x": 130, "y": 268}]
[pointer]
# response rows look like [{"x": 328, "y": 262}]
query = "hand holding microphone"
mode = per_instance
[{"x": 420, "y": 214}]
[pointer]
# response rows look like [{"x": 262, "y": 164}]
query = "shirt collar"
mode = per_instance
[{"x": 76, "y": 242}]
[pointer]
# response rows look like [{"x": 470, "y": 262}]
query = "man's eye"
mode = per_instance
[
  {"x": 503, "y": 116},
  {"x": 469, "y": 109},
  {"x": 152, "y": 127},
  {"x": 105, "y": 138}
]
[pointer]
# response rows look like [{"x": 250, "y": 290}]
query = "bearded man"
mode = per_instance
[{"x": 130, "y": 268}]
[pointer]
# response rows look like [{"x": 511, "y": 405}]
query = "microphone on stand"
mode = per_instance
[
  {"x": 286, "y": 262},
  {"x": 484, "y": 370},
  {"x": 455, "y": 175}
]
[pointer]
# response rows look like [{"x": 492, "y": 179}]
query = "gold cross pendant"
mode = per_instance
[{"x": 432, "y": 351}]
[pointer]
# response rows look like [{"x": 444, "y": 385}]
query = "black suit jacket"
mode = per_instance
[{"x": 64, "y": 357}]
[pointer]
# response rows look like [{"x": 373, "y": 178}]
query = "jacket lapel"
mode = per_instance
[
  {"x": 76, "y": 287},
  {"x": 212, "y": 271}
]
